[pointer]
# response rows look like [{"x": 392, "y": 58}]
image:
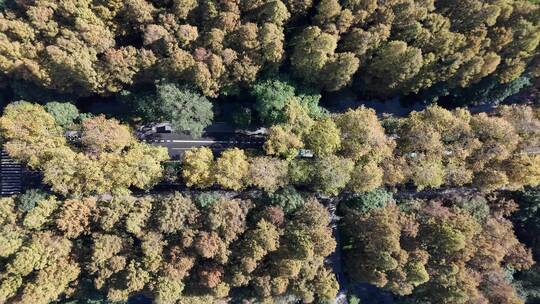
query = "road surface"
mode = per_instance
[{"x": 177, "y": 144}]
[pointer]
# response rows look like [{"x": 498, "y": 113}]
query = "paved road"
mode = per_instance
[{"x": 177, "y": 144}]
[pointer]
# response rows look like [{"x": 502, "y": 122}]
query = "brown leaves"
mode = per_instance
[
  {"x": 208, "y": 244},
  {"x": 75, "y": 215},
  {"x": 100, "y": 134},
  {"x": 268, "y": 173},
  {"x": 434, "y": 250}
]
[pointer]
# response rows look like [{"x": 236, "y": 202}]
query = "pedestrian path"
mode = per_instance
[{"x": 10, "y": 175}]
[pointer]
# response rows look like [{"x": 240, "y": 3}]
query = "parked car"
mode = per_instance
[{"x": 305, "y": 153}]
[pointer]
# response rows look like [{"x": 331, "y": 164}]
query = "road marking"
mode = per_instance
[{"x": 201, "y": 141}]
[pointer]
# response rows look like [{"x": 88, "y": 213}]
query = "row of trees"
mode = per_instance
[
  {"x": 88, "y": 47},
  {"x": 357, "y": 152},
  {"x": 91, "y": 47},
  {"x": 401, "y": 47},
  {"x": 453, "y": 249},
  {"x": 205, "y": 247},
  {"x": 173, "y": 247},
  {"x": 354, "y": 151},
  {"x": 233, "y": 170},
  {"x": 104, "y": 158}
]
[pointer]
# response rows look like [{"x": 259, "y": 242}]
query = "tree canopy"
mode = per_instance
[
  {"x": 439, "y": 205},
  {"x": 111, "y": 160},
  {"x": 435, "y": 250},
  {"x": 185, "y": 109},
  {"x": 164, "y": 246},
  {"x": 382, "y": 49}
]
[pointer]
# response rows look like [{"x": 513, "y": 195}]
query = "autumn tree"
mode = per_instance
[
  {"x": 231, "y": 169},
  {"x": 377, "y": 255},
  {"x": 434, "y": 250},
  {"x": 401, "y": 48},
  {"x": 30, "y": 132},
  {"x": 74, "y": 217},
  {"x": 333, "y": 174},
  {"x": 206, "y": 45},
  {"x": 219, "y": 47},
  {"x": 391, "y": 55},
  {"x": 314, "y": 57},
  {"x": 42, "y": 214},
  {"x": 268, "y": 173},
  {"x": 112, "y": 159},
  {"x": 323, "y": 138},
  {"x": 256, "y": 245},
  {"x": 100, "y": 134},
  {"x": 175, "y": 213},
  {"x": 197, "y": 167},
  {"x": 109, "y": 248},
  {"x": 363, "y": 137}
]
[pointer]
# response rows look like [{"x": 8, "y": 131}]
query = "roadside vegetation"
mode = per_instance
[
  {"x": 355, "y": 152},
  {"x": 416, "y": 243}
]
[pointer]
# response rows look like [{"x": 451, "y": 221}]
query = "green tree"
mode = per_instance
[
  {"x": 30, "y": 199},
  {"x": 526, "y": 220},
  {"x": 365, "y": 202},
  {"x": 206, "y": 199},
  {"x": 288, "y": 198},
  {"x": 272, "y": 96},
  {"x": 65, "y": 114},
  {"x": 186, "y": 110}
]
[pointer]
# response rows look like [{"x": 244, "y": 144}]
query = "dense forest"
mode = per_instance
[
  {"x": 440, "y": 205},
  {"x": 435, "y": 48}
]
